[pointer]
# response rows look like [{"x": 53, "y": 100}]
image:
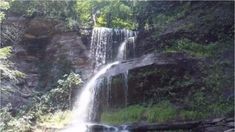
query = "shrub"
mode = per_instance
[
  {"x": 10, "y": 123},
  {"x": 7, "y": 67},
  {"x": 57, "y": 119},
  {"x": 60, "y": 97}
]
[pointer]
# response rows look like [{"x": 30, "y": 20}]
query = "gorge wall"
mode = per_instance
[{"x": 44, "y": 50}]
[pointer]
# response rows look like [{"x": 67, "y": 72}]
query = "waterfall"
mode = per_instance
[
  {"x": 85, "y": 101},
  {"x": 87, "y": 94},
  {"x": 103, "y": 44},
  {"x": 101, "y": 37},
  {"x": 122, "y": 51}
]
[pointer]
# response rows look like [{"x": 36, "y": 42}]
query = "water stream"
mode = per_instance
[{"x": 102, "y": 40}]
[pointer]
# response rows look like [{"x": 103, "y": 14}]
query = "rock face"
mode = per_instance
[
  {"x": 215, "y": 125},
  {"x": 11, "y": 34},
  {"x": 65, "y": 53},
  {"x": 145, "y": 79},
  {"x": 44, "y": 50}
]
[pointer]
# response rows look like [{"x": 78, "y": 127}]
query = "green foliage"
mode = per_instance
[
  {"x": 205, "y": 111},
  {"x": 60, "y": 97},
  {"x": 217, "y": 76},
  {"x": 57, "y": 119},
  {"x": 195, "y": 49},
  {"x": 84, "y": 8},
  {"x": 71, "y": 80},
  {"x": 158, "y": 14},
  {"x": 190, "y": 115},
  {"x": 129, "y": 114},
  {"x": 161, "y": 112},
  {"x": 163, "y": 19},
  {"x": 57, "y": 9},
  {"x": 116, "y": 14},
  {"x": 46, "y": 110},
  {"x": 220, "y": 108},
  {"x": 6, "y": 66},
  {"x": 62, "y": 10},
  {"x": 5, "y": 52},
  {"x": 203, "y": 106},
  {"x": 85, "y": 13},
  {"x": 164, "y": 111},
  {"x": 5, "y": 117},
  {"x": 14, "y": 124},
  {"x": 216, "y": 79},
  {"x": 4, "y": 6}
]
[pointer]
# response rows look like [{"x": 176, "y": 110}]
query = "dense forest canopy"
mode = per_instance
[
  {"x": 51, "y": 41},
  {"x": 118, "y": 13},
  {"x": 101, "y": 13}
]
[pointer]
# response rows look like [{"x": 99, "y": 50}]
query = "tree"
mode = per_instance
[
  {"x": 4, "y": 5},
  {"x": 106, "y": 13},
  {"x": 6, "y": 66},
  {"x": 62, "y": 10},
  {"x": 61, "y": 96},
  {"x": 7, "y": 70}
]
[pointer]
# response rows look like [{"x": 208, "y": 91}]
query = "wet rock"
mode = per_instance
[
  {"x": 214, "y": 125},
  {"x": 150, "y": 78}
]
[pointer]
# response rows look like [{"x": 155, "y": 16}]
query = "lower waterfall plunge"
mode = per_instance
[
  {"x": 85, "y": 101},
  {"x": 83, "y": 108}
]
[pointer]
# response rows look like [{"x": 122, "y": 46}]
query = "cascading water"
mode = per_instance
[
  {"x": 120, "y": 57},
  {"x": 105, "y": 42},
  {"x": 121, "y": 51},
  {"x": 102, "y": 40},
  {"x": 81, "y": 109},
  {"x": 101, "y": 37}
]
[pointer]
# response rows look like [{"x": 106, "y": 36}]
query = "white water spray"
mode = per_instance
[
  {"x": 88, "y": 93},
  {"x": 121, "y": 51}
]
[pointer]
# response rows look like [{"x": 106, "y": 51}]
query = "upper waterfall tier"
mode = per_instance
[{"x": 105, "y": 43}]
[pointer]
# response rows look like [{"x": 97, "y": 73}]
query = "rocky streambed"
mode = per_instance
[{"x": 213, "y": 125}]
